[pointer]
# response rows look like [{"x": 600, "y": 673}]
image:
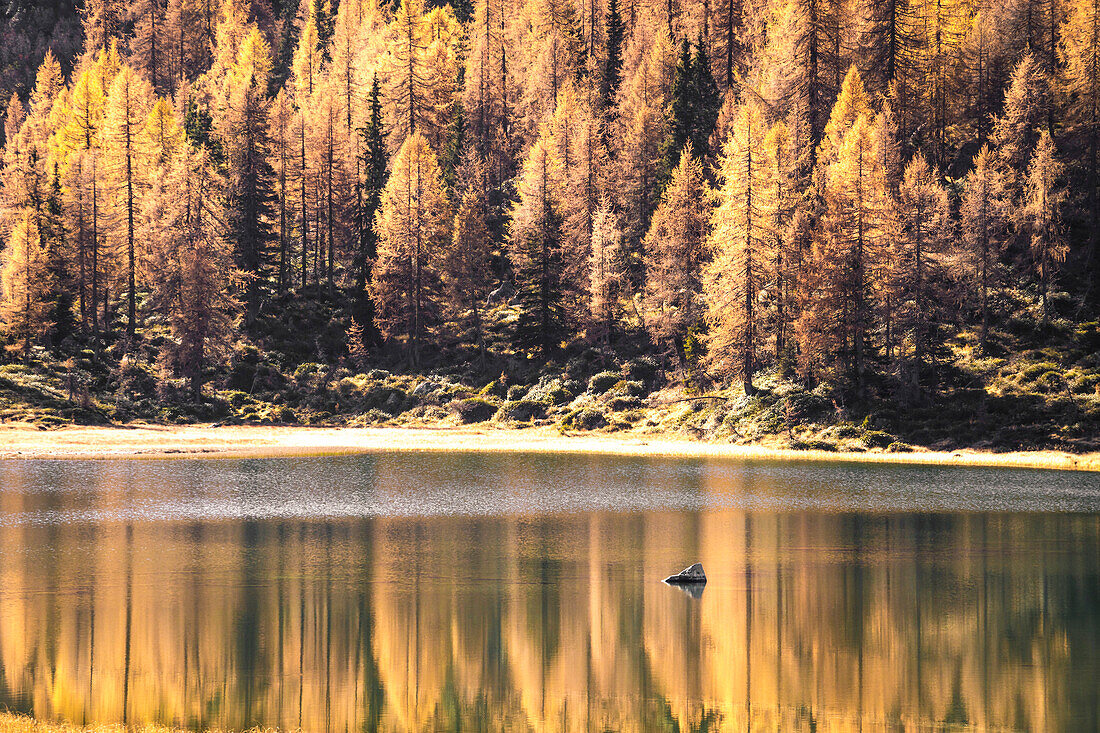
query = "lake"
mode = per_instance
[{"x": 425, "y": 592}]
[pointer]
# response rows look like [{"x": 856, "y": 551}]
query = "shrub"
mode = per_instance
[
  {"x": 602, "y": 382},
  {"x": 642, "y": 369},
  {"x": 474, "y": 409},
  {"x": 899, "y": 447},
  {"x": 516, "y": 392},
  {"x": 550, "y": 390},
  {"x": 628, "y": 388},
  {"x": 586, "y": 418},
  {"x": 877, "y": 439},
  {"x": 521, "y": 410},
  {"x": 618, "y": 404}
]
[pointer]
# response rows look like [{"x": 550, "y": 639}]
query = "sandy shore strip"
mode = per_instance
[{"x": 248, "y": 441}]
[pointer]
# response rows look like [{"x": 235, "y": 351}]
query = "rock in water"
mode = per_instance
[{"x": 694, "y": 574}]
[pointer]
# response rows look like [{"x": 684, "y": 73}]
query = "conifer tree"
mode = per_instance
[
  {"x": 414, "y": 229},
  {"x": 128, "y": 104},
  {"x": 486, "y": 99},
  {"x": 985, "y": 212},
  {"x": 604, "y": 274},
  {"x": 13, "y": 118},
  {"x": 536, "y": 251},
  {"x": 1043, "y": 201},
  {"x": 741, "y": 243},
  {"x": 467, "y": 268},
  {"x": 147, "y": 53},
  {"x": 414, "y": 67},
  {"x": 692, "y": 110},
  {"x": 23, "y": 276},
  {"x": 307, "y": 57},
  {"x": 836, "y": 327},
  {"x": 920, "y": 250},
  {"x": 675, "y": 250},
  {"x": 639, "y": 130},
  {"x": 612, "y": 71},
  {"x": 1080, "y": 54},
  {"x": 249, "y": 199},
  {"x": 1016, "y": 129},
  {"x": 163, "y": 134},
  {"x": 188, "y": 267},
  {"x": 280, "y": 122},
  {"x": 373, "y": 167}
]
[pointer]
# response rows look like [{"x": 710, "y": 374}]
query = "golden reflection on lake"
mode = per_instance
[{"x": 811, "y": 620}]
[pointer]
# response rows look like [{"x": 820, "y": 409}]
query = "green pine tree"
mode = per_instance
[
  {"x": 612, "y": 73},
  {"x": 692, "y": 112}
]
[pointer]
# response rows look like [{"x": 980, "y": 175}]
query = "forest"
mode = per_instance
[{"x": 772, "y": 210}]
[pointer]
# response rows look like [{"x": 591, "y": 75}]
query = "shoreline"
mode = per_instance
[{"x": 141, "y": 441}]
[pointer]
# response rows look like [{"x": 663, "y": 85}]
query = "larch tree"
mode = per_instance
[
  {"x": 307, "y": 58},
  {"x": 79, "y": 144},
  {"x": 836, "y": 327},
  {"x": 467, "y": 267},
  {"x": 188, "y": 267},
  {"x": 1043, "y": 201},
  {"x": 925, "y": 226},
  {"x": 163, "y": 134},
  {"x": 148, "y": 55},
  {"x": 639, "y": 129},
  {"x": 414, "y": 229},
  {"x": 605, "y": 274},
  {"x": 985, "y": 212},
  {"x": 740, "y": 242},
  {"x": 486, "y": 100},
  {"x": 537, "y": 253},
  {"x": 124, "y": 145},
  {"x": 23, "y": 277},
  {"x": 415, "y": 71},
  {"x": 1016, "y": 129},
  {"x": 14, "y": 115},
  {"x": 280, "y": 121},
  {"x": 675, "y": 253},
  {"x": 1080, "y": 53}
]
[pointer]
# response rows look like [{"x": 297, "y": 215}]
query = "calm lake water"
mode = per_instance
[{"x": 431, "y": 592}]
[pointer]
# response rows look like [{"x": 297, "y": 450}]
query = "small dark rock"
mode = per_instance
[{"x": 693, "y": 574}]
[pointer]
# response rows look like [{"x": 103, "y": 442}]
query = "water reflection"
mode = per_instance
[{"x": 810, "y": 620}]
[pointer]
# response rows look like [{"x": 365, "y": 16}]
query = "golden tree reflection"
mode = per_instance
[{"x": 553, "y": 622}]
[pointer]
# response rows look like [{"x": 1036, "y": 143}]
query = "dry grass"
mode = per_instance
[
  {"x": 264, "y": 441},
  {"x": 12, "y": 723}
]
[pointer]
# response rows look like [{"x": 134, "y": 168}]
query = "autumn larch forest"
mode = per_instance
[{"x": 844, "y": 224}]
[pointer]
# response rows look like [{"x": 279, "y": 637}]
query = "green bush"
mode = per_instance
[
  {"x": 516, "y": 392},
  {"x": 899, "y": 447},
  {"x": 628, "y": 388},
  {"x": 600, "y": 383},
  {"x": 473, "y": 410},
  {"x": 521, "y": 410},
  {"x": 878, "y": 439},
  {"x": 586, "y": 418},
  {"x": 642, "y": 369}
]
